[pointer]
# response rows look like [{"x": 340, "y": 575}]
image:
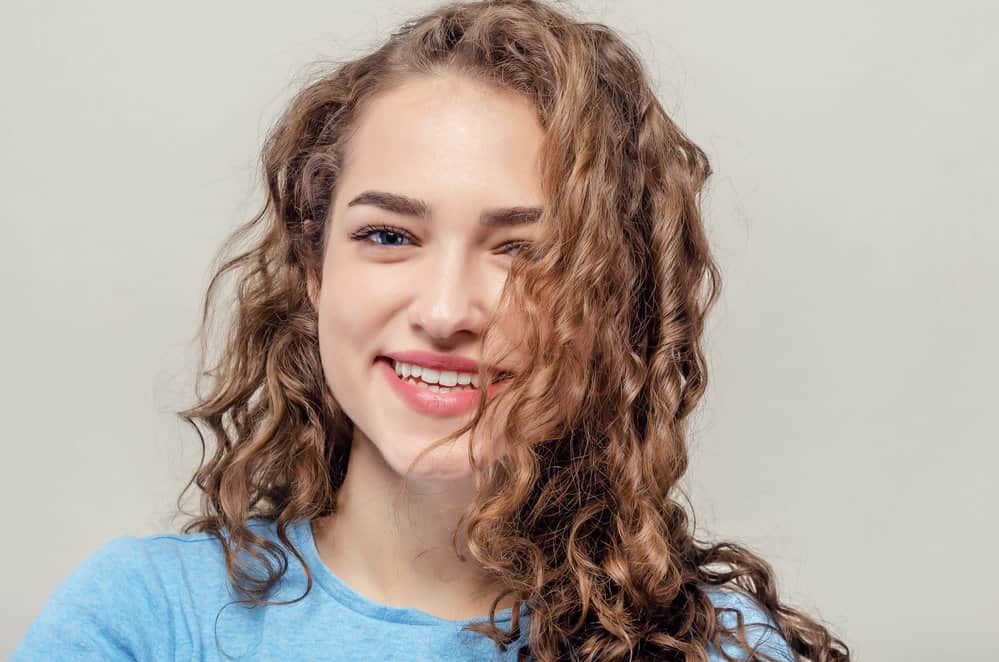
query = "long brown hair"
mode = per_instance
[{"x": 579, "y": 518}]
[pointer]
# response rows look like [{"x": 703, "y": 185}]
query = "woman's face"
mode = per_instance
[{"x": 431, "y": 159}]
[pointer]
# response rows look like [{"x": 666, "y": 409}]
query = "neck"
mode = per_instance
[{"x": 397, "y": 550}]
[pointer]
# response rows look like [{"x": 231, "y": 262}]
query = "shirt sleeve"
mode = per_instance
[
  {"x": 107, "y": 608},
  {"x": 762, "y": 633}
]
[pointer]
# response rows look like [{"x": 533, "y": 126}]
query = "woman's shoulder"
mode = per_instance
[
  {"x": 136, "y": 559},
  {"x": 117, "y": 602},
  {"x": 189, "y": 551},
  {"x": 761, "y": 630},
  {"x": 105, "y": 608}
]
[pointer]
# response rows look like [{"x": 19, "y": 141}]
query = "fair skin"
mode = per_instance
[{"x": 462, "y": 148}]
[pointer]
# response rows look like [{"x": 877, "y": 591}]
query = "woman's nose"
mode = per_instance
[{"x": 450, "y": 297}]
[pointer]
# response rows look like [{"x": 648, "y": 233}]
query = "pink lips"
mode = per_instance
[{"x": 425, "y": 401}]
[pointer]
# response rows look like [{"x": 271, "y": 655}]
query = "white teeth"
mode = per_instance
[{"x": 443, "y": 378}]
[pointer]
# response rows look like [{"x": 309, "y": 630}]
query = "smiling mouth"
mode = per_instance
[{"x": 416, "y": 380}]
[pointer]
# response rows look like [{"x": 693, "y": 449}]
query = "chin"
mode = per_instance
[{"x": 445, "y": 463}]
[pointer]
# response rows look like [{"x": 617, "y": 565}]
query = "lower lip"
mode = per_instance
[{"x": 425, "y": 401}]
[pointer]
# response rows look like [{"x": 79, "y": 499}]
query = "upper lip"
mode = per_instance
[{"x": 442, "y": 361}]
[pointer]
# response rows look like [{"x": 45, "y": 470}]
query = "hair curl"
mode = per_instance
[{"x": 578, "y": 518}]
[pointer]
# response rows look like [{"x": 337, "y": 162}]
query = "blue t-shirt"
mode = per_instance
[{"x": 159, "y": 598}]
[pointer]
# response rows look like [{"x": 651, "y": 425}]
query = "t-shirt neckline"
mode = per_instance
[{"x": 302, "y": 536}]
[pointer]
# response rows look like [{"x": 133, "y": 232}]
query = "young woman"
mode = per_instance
[{"x": 449, "y": 414}]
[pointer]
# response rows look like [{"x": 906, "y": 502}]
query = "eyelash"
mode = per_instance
[{"x": 369, "y": 230}]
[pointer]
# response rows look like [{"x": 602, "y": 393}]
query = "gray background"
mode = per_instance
[{"x": 849, "y": 431}]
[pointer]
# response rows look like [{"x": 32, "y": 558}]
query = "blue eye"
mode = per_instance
[{"x": 379, "y": 230}]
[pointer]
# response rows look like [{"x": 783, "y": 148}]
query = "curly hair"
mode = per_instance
[{"x": 579, "y": 517}]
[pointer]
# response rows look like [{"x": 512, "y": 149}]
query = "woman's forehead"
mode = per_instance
[{"x": 449, "y": 131}]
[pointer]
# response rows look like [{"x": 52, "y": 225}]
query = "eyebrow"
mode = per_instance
[{"x": 406, "y": 206}]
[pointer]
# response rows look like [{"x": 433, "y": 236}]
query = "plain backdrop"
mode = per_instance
[{"x": 849, "y": 432}]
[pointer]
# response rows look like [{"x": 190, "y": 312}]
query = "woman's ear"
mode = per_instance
[{"x": 309, "y": 228}]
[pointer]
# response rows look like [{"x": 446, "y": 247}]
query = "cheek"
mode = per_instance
[
  {"x": 341, "y": 330},
  {"x": 507, "y": 343},
  {"x": 344, "y": 301}
]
